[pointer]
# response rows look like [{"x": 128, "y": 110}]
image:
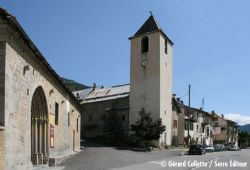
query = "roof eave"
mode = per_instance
[{"x": 135, "y": 36}]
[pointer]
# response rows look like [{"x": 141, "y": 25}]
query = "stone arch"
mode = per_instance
[{"x": 39, "y": 127}]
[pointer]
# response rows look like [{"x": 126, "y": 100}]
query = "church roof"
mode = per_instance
[{"x": 149, "y": 26}]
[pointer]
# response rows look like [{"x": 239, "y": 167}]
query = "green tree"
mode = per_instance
[
  {"x": 113, "y": 128},
  {"x": 244, "y": 139},
  {"x": 147, "y": 129}
]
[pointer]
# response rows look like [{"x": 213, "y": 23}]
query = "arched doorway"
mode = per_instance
[{"x": 39, "y": 128}]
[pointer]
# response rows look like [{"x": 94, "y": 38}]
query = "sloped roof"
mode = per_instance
[
  {"x": 150, "y": 25},
  {"x": 83, "y": 93},
  {"x": 175, "y": 103},
  {"x": 102, "y": 94}
]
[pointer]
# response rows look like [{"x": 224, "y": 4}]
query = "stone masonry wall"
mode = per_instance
[
  {"x": 2, "y": 91},
  {"x": 2, "y": 153},
  {"x": 2, "y": 81},
  {"x": 19, "y": 88}
]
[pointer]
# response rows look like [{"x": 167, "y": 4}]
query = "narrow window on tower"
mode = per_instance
[
  {"x": 68, "y": 119},
  {"x": 166, "y": 46},
  {"x": 144, "y": 44},
  {"x": 77, "y": 126},
  {"x": 56, "y": 113}
]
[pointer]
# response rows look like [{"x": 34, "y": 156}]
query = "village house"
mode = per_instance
[
  {"x": 177, "y": 122},
  {"x": 39, "y": 117},
  {"x": 220, "y": 130},
  {"x": 198, "y": 124},
  {"x": 232, "y": 133},
  {"x": 225, "y": 131}
]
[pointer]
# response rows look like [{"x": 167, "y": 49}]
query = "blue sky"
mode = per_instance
[{"x": 87, "y": 41}]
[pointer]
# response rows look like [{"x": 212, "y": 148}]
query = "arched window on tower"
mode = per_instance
[{"x": 144, "y": 44}]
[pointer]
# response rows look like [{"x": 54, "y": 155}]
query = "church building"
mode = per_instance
[{"x": 39, "y": 117}]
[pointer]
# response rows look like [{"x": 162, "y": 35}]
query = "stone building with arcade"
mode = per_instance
[{"x": 39, "y": 117}]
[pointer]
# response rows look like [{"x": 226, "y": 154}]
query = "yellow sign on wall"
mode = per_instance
[{"x": 52, "y": 119}]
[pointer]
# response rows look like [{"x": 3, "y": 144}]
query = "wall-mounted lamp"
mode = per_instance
[
  {"x": 63, "y": 101},
  {"x": 72, "y": 110},
  {"x": 26, "y": 68}
]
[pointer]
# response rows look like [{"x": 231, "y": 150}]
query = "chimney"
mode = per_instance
[
  {"x": 94, "y": 86},
  {"x": 77, "y": 95},
  {"x": 222, "y": 116}
]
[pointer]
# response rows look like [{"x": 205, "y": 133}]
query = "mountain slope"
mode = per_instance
[
  {"x": 73, "y": 85},
  {"x": 245, "y": 128}
]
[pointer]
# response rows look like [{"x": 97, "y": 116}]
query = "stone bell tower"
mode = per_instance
[{"x": 151, "y": 75}]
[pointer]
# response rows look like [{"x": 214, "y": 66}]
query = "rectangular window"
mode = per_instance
[
  {"x": 166, "y": 46},
  {"x": 68, "y": 119},
  {"x": 123, "y": 117},
  {"x": 186, "y": 125},
  {"x": 175, "y": 124},
  {"x": 191, "y": 126},
  {"x": 144, "y": 45},
  {"x": 56, "y": 113}
]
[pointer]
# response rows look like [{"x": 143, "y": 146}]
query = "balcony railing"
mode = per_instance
[
  {"x": 206, "y": 121},
  {"x": 234, "y": 131},
  {"x": 193, "y": 118},
  {"x": 223, "y": 126}
]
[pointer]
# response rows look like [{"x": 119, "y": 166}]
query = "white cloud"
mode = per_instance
[{"x": 239, "y": 118}]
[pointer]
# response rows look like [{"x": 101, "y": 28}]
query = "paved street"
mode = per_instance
[
  {"x": 98, "y": 157},
  {"x": 215, "y": 160}
]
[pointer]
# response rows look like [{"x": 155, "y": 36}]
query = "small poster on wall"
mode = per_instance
[
  {"x": 51, "y": 136},
  {"x": 52, "y": 129}
]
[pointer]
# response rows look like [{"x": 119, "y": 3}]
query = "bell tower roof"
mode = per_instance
[{"x": 149, "y": 26}]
